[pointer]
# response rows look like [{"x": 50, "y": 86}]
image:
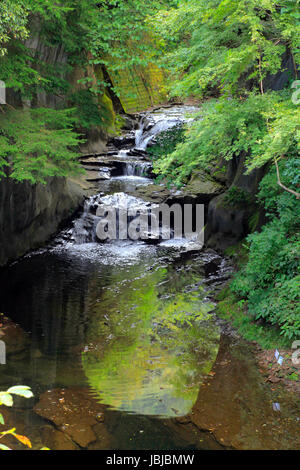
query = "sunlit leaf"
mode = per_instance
[
  {"x": 24, "y": 440},
  {"x": 6, "y": 399},
  {"x": 21, "y": 390},
  {"x": 3, "y": 447}
]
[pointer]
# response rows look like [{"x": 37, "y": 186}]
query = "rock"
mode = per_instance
[
  {"x": 14, "y": 337},
  {"x": 74, "y": 412},
  {"x": 234, "y": 404},
  {"x": 31, "y": 214},
  {"x": 94, "y": 176},
  {"x": 121, "y": 142},
  {"x": 152, "y": 193},
  {"x": 91, "y": 161},
  {"x": 57, "y": 440},
  {"x": 202, "y": 187},
  {"x": 226, "y": 225}
]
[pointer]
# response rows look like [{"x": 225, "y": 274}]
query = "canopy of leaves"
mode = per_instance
[
  {"x": 37, "y": 144},
  {"x": 218, "y": 45},
  {"x": 13, "y": 20},
  {"x": 229, "y": 50},
  {"x": 261, "y": 127}
]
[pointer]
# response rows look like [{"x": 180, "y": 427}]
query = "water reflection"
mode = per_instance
[
  {"x": 153, "y": 346},
  {"x": 129, "y": 320}
]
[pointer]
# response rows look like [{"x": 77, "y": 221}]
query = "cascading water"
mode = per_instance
[
  {"x": 140, "y": 169},
  {"x": 131, "y": 165},
  {"x": 153, "y": 124}
]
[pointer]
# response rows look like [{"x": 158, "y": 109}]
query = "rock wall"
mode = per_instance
[
  {"x": 230, "y": 220},
  {"x": 31, "y": 214},
  {"x": 139, "y": 88}
]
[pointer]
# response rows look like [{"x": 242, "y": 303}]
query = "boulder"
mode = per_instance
[
  {"x": 75, "y": 413},
  {"x": 31, "y": 214},
  {"x": 202, "y": 187}
]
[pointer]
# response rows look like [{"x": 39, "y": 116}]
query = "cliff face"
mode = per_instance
[
  {"x": 233, "y": 214},
  {"x": 31, "y": 214}
]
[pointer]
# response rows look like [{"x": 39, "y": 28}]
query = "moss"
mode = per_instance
[
  {"x": 237, "y": 197},
  {"x": 139, "y": 88},
  {"x": 119, "y": 124},
  {"x": 110, "y": 115},
  {"x": 202, "y": 183}
]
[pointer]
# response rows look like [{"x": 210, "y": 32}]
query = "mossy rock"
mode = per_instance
[{"x": 202, "y": 185}]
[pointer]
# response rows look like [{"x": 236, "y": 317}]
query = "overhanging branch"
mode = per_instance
[{"x": 282, "y": 185}]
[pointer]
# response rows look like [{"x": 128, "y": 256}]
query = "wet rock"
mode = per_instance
[
  {"x": 91, "y": 161},
  {"x": 152, "y": 193},
  {"x": 31, "y": 214},
  {"x": 74, "y": 412},
  {"x": 235, "y": 405},
  {"x": 57, "y": 440},
  {"x": 230, "y": 223},
  {"x": 94, "y": 176},
  {"x": 120, "y": 142},
  {"x": 129, "y": 122}
]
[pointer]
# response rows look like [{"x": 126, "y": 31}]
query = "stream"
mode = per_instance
[{"x": 118, "y": 340}]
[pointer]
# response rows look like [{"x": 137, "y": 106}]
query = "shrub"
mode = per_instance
[{"x": 270, "y": 278}]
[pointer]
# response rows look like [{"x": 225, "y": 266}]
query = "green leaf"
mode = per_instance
[
  {"x": 3, "y": 447},
  {"x": 21, "y": 390},
  {"x": 6, "y": 399},
  {"x": 1, "y": 419}
]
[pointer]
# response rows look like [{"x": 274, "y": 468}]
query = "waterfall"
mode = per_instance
[
  {"x": 151, "y": 125},
  {"x": 84, "y": 229},
  {"x": 128, "y": 163},
  {"x": 140, "y": 169}
]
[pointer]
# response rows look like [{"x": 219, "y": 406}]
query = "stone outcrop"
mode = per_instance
[
  {"x": 228, "y": 222},
  {"x": 31, "y": 214}
]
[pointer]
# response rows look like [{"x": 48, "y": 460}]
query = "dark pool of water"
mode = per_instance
[{"x": 129, "y": 321}]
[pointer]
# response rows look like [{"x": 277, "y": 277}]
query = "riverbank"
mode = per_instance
[{"x": 265, "y": 338}]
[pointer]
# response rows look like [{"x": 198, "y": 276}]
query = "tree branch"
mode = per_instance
[{"x": 282, "y": 185}]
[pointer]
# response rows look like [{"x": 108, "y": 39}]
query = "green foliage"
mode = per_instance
[
  {"x": 214, "y": 46},
  {"x": 231, "y": 309},
  {"x": 89, "y": 34},
  {"x": 37, "y": 144},
  {"x": 13, "y": 20},
  {"x": 270, "y": 278},
  {"x": 112, "y": 33},
  {"x": 237, "y": 197},
  {"x": 260, "y": 127},
  {"x": 88, "y": 112},
  {"x": 122, "y": 37},
  {"x": 166, "y": 142},
  {"x": 165, "y": 145},
  {"x": 6, "y": 398}
]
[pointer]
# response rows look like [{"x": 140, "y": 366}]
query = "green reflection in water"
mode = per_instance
[{"x": 152, "y": 343}]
